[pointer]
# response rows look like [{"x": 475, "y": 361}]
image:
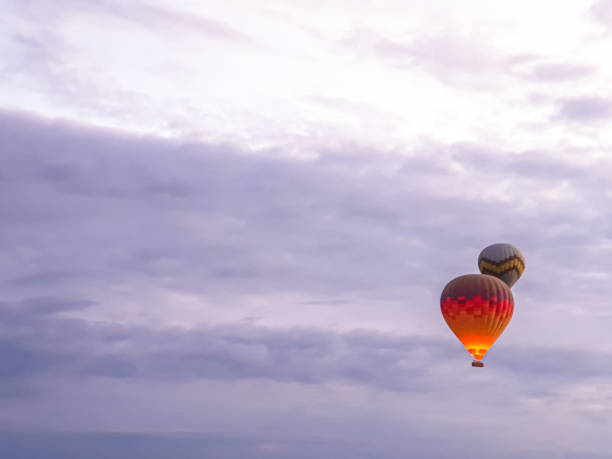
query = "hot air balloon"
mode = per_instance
[
  {"x": 477, "y": 308},
  {"x": 503, "y": 261}
]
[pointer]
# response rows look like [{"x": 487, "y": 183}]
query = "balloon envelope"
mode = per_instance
[
  {"x": 503, "y": 261},
  {"x": 477, "y": 308}
]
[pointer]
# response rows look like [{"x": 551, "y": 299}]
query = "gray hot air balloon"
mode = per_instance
[{"x": 503, "y": 261}]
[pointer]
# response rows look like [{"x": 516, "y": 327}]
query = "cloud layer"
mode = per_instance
[
  {"x": 135, "y": 267},
  {"x": 224, "y": 228}
]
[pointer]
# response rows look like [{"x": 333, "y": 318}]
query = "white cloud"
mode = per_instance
[{"x": 248, "y": 72}]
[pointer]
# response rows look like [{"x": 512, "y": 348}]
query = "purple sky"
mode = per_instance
[{"x": 224, "y": 228}]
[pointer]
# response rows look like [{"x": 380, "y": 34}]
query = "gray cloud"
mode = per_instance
[
  {"x": 105, "y": 233},
  {"x": 189, "y": 445},
  {"x": 585, "y": 109},
  {"x": 551, "y": 72},
  {"x": 212, "y": 219},
  {"x": 228, "y": 214},
  {"x": 38, "y": 343},
  {"x": 38, "y": 350},
  {"x": 117, "y": 445},
  {"x": 538, "y": 69}
]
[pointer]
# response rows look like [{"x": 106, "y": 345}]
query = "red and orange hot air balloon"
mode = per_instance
[{"x": 477, "y": 308}]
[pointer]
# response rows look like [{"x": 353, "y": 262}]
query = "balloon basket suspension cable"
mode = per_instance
[{"x": 477, "y": 363}]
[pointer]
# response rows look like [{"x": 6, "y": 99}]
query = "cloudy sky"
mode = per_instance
[{"x": 225, "y": 227}]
